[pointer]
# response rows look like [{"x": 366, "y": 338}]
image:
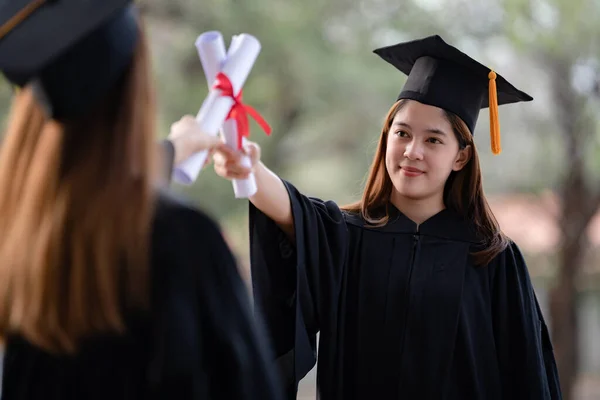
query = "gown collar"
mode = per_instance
[{"x": 446, "y": 224}]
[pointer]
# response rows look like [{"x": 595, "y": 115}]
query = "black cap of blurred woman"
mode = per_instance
[{"x": 71, "y": 52}]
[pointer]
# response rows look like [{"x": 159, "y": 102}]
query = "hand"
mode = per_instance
[
  {"x": 228, "y": 162},
  {"x": 188, "y": 139}
]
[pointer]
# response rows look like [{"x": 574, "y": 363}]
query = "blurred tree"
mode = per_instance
[{"x": 565, "y": 38}]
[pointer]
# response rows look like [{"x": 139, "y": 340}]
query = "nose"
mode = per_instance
[{"x": 413, "y": 151}]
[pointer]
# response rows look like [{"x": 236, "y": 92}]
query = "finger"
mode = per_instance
[
  {"x": 253, "y": 152},
  {"x": 174, "y": 127},
  {"x": 246, "y": 148},
  {"x": 219, "y": 158},
  {"x": 181, "y": 120},
  {"x": 227, "y": 152},
  {"x": 237, "y": 175},
  {"x": 228, "y": 174},
  {"x": 188, "y": 119},
  {"x": 230, "y": 167},
  {"x": 225, "y": 148},
  {"x": 209, "y": 158},
  {"x": 237, "y": 168},
  {"x": 250, "y": 150},
  {"x": 228, "y": 164}
]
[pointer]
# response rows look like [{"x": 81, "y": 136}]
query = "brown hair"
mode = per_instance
[
  {"x": 463, "y": 191},
  {"x": 75, "y": 214}
]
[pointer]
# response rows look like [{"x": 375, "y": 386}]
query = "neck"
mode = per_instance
[{"x": 418, "y": 210}]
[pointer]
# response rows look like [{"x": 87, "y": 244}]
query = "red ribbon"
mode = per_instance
[{"x": 239, "y": 111}]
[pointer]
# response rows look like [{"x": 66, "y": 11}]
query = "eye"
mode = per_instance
[
  {"x": 434, "y": 140},
  {"x": 401, "y": 133}
]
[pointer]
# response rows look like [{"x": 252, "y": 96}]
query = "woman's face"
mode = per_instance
[{"x": 422, "y": 151}]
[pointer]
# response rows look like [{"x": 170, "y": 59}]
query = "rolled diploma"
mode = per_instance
[
  {"x": 211, "y": 50},
  {"x": 212, "y": 54},
  {"x": 215, "y": 108},
  {"x": 242, "y": 188}
]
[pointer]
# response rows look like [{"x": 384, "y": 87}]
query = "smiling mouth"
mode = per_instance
[
  {"x": 411, "y": 172},
  {"x": 410, "y": 169}
]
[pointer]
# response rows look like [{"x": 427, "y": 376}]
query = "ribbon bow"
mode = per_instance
[{"x": 239, "y": 111}]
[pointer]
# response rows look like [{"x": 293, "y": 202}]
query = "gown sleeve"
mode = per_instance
[
  {"x": 205, "y": 320},
  {"x": 526, "y": 357},
  {"x": 296, "y": 285}
]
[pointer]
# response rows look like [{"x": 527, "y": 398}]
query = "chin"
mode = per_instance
[
  {"x": 412, "y": 194},
  {"x": 410, "y": 191}
]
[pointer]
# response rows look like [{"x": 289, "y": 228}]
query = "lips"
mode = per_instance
[{"x": 413, "y": 170}]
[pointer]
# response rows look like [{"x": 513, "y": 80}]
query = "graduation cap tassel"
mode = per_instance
[
  {"x": 494, "y": 121},
  {"x": 20, "y": 16}
]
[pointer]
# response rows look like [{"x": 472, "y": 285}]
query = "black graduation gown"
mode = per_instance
[
  {"x": 198, "y": 340},
  {"x": 402, "y": 313}
]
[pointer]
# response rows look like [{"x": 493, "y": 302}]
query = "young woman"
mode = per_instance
[
  {"x": 415, "y": 291},
  {"x": 109, "y": 289}
]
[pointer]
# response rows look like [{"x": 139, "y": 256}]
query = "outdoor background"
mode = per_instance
[{"x": 325, "y": 94}]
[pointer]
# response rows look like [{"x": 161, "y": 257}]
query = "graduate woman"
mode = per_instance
[
  {"x": 109, "y": 289},
  {"x": 415, "y": 291}
]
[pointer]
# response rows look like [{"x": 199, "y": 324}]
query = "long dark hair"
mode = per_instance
[
  {"x": 75, "y": 212},
  {"x": 463, "y": 191}
]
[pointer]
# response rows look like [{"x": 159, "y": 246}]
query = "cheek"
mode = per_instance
[
  {"x": 394, "y": 150},
  {"x": 443, "y": 167}
]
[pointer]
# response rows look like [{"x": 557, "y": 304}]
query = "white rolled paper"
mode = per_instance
[
  {"x": 211, "y": 50},
  {"x": 212, "y": 54},
  {"x": 242, "y": 188},
  {"x": 215, "y": 108}
]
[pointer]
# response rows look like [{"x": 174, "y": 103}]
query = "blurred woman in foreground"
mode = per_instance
[{"x": 109, "y": 289}]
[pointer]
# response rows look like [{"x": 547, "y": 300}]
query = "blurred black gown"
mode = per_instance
[{"x": 198, "y": 341}]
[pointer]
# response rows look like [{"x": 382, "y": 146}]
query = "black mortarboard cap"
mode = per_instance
[
  {"x": 70, "y": 51},
  {"x": 440, "y": 75}
]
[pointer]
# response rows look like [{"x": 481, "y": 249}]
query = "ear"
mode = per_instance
[{"x": 462, "y": 158}]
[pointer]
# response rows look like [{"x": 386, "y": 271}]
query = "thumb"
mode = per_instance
[{"x": 253, "y": 151}]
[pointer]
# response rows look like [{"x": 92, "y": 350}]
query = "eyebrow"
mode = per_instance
[{"x": 430, "y": 130}]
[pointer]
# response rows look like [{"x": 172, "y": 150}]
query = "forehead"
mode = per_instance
[{"x": 422, "y": 116}]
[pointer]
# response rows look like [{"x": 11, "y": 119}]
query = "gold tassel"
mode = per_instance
[
  {"x": 494, "y": 121},
  {"x": 20, "y": 16}
]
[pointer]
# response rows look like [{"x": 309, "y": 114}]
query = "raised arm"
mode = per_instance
[{"x": 271, "y": 196}]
